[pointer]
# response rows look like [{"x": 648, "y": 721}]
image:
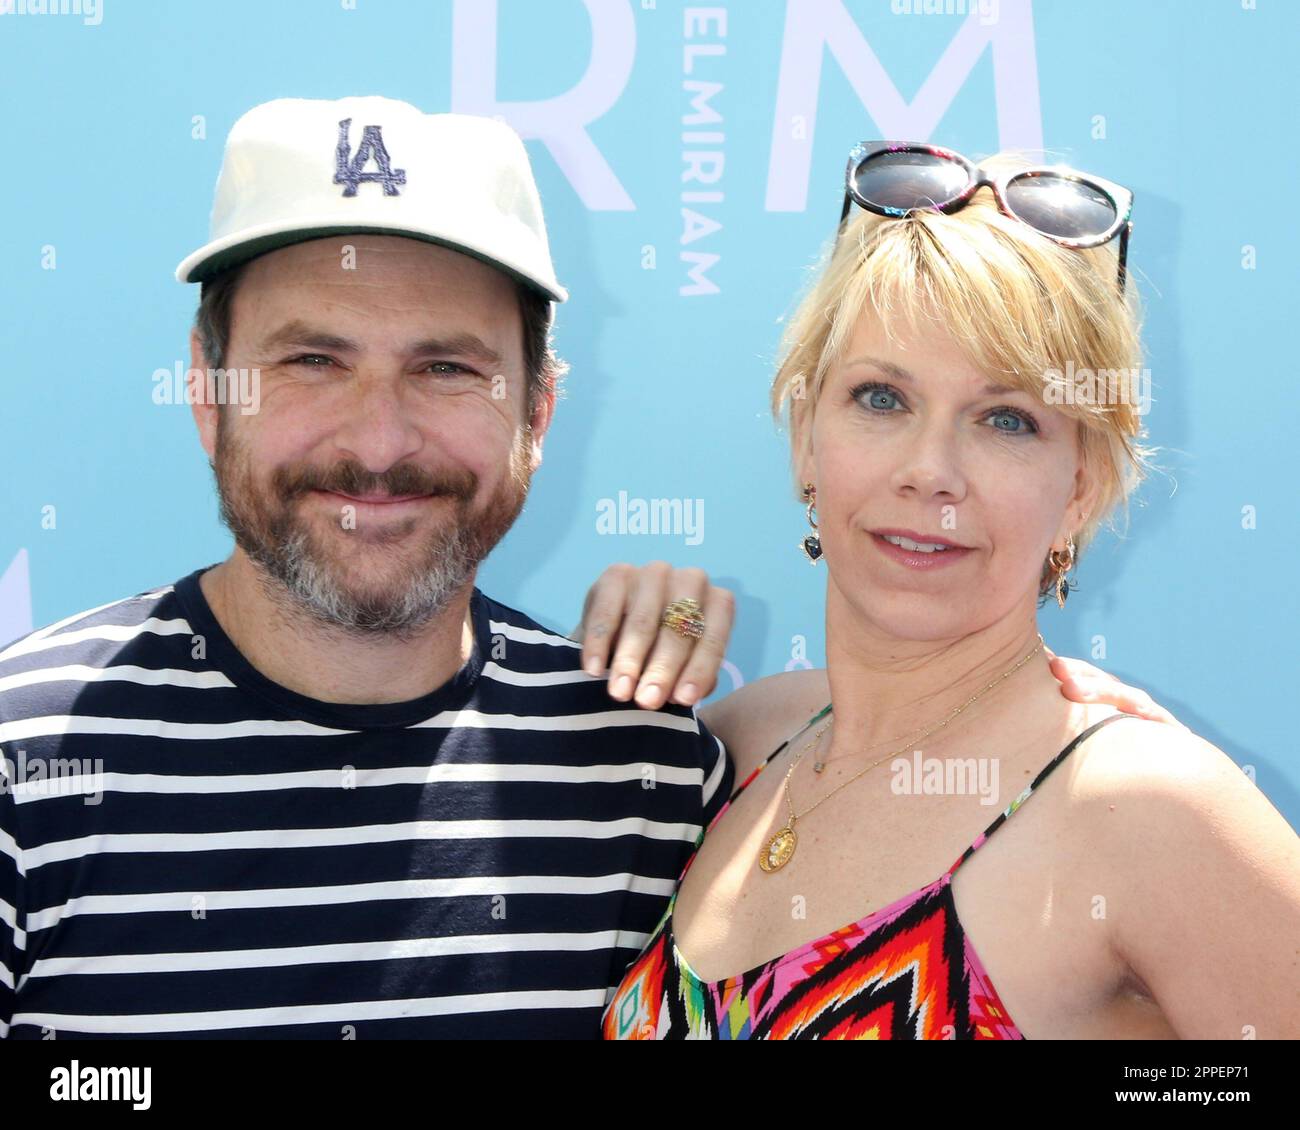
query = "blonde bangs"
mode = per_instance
[{"x": 1029, "y": 313}]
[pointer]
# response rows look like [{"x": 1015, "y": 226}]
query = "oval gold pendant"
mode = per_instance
[{"x": 778, "y": 851}]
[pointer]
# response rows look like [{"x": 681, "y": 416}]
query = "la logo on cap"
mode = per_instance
[
  {"x": 350, "y": 172},
  {"x": 290, "y": 173}
]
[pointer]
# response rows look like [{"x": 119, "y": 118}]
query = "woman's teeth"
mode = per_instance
[{"x": 909, "y": 544}]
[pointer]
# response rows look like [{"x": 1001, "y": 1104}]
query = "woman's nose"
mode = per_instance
[{"x": 929, "y": 464}]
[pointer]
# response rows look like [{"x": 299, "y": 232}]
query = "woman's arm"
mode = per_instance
[{"x": 1209, "y": 917}]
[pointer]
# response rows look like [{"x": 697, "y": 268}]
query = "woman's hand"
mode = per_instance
[
  {"x": 652, "y": 664},
  {"x": 1082, "y": 682}
]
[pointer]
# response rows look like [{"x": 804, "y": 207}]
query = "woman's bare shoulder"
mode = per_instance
[
  {"x": 1163, "y": 793},
  {"x": 1185, "y": 835},
  {"x": 752, "y": 720},
  {"x": 1138, "y": 757}
]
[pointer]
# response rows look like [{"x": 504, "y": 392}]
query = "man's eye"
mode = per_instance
[{"x": 319, "y": 360}]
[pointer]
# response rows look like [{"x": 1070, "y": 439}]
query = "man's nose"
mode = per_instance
[{"x": 378, "y": 427}]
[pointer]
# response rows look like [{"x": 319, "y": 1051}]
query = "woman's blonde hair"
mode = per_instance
[{"x": 1031, "y": 314}]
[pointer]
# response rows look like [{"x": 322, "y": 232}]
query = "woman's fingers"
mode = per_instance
[
  {"x": 686, "y": 670},
  {"x": 640, "y": 628},
  {"x": 669, "y": 653},
  {"x": 601, "y": 615},
  {"x": 622, "y": 631},
  {"x": 701, "y": 675}
]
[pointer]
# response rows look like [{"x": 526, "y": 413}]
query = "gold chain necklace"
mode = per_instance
[
  {"x": 819, "y": 763},
  {"x": 779, "y": 850}
]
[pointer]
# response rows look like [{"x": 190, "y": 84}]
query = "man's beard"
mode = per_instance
[{"x": 293, "y": 562}]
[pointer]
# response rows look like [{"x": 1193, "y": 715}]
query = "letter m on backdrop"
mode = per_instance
[{"x": 812, "y": 27}]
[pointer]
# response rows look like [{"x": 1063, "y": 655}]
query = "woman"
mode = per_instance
[{"x": 1149, "y": 889}]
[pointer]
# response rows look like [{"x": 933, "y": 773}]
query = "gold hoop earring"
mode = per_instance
[
  {"x": 811, "y": 543},
  {"x": 1061, "y": 562}
]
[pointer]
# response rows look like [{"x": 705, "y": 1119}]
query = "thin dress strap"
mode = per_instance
[
  {"x": 1042, "y": 776},
  {"x": 740, "y": 788}
]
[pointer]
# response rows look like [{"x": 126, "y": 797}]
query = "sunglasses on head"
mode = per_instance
[{"x": 896, "y": 178}]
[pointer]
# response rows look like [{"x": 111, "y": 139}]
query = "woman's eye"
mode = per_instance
[
  {"x": 1012, "y": 422},
  {"x": 881, "y": 398}
]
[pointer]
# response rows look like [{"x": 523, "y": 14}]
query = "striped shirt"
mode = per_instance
[{"x": 189, "y": 849}]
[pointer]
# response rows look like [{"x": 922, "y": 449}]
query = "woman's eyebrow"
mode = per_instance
[
  {"x": 900, "y": 374},
  {"x": 888, "y": 367}
]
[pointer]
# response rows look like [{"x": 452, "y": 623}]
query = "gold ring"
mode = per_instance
[{"x": 685, "y": 618}]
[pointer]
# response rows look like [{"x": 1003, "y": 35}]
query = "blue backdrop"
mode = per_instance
[{"x": 116, "y": 114}]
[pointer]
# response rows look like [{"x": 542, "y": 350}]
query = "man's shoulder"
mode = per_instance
[
  {"x": 65, "y": 653},
  {"x": 529, "y": 654},
  {"x": 511, "y": 624}
]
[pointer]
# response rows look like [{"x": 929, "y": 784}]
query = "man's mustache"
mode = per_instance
[{"x": 350, "y": 477}]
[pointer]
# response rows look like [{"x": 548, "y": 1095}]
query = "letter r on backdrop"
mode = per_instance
[{"x": 560, "y": 123}]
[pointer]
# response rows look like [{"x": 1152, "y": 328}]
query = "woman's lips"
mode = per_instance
[{"x": 917, "y": 559}]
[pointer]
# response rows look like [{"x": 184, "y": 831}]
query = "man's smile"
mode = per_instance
[{"x": 378, "y": 503}]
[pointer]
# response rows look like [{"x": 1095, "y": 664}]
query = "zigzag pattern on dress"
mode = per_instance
[{"x": 907, "y": 971}]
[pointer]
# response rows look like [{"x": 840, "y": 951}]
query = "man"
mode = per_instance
[
  {"x": 334, "y": 789},
  {"x": 327, "y": 788}
]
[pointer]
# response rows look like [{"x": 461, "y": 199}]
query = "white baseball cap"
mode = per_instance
[{"x": 297, "y": 169}]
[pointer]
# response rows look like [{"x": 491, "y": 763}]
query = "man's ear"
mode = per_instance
[
  {"x": 540, "y": 421},
  {"x": 205, "y": 414}
]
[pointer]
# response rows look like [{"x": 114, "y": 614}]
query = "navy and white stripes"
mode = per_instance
[{"x": 188, "y": 849}]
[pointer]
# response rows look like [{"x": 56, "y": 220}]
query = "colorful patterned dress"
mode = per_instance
[{"x": 907, "y": 971}]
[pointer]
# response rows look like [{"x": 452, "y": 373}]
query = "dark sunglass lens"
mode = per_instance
[
  {"x": 1061, "y": 207},
  {"x": 909, "y": 180}
]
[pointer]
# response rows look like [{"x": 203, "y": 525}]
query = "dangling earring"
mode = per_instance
[
  {"x": 812, "y": 543},
  {"x": 1062, "y": 561}
]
